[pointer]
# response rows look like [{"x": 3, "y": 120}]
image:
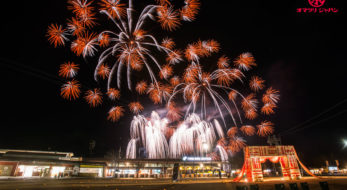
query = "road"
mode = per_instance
[{"x": 335, "y": 183}]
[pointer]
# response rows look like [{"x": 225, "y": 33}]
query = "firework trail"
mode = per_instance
[
  {"x": 221, "y": 88},
  {"x": 161, "y": 140},
  {"x": 126, "y": 47}
]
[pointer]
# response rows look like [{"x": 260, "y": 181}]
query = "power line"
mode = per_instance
[
  {"x": 314, "y": 117},
  {"x": 318, "y": 122}
]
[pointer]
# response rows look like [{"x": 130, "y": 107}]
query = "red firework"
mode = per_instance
[
  {"x": 136, "y": 107},
  {"x": 114, "y": 7},
  {"x": 168, "y": 43},
  {"x": 141, "y": 87},
  {"x": 173, "y": 112},
  {"x": 256, "y": 83},
  {"x": 223, "y": 62},
  {"x": 71, "y": 90},
  {"x": 236, "y": 144},
  {"x": 104, "y": 71},
  {"x": 56, "y": 35},
  {"x": 265, "y": 128},
  {"x": 245, "y": 61},
  {"x": 271, "y": 96},
  {"x": 166, "y": 71},
  {"x": 248, "y": 130},
  {"x": 115, "y": 113},
  {"x": 68, "y": 70},
  {"x": 94, "y": 97},
  {"x": 232, "y": 131},
  {"x": 168, "y": 18},
  {"x": 113, "y": 94},
  {"x": 84, "y": 44}
]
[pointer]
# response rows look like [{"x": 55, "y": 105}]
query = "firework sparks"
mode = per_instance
[
  {"x": 245, "y": 61},
  {"x": 94, "y": 97},
  {"x": 265, "y": 128},
  {"x": 248, "y": 130},
  {"x": 256, "y": 83},
  {"x": 68, "y": 70},
  {"x": 113, "y": 94},
  {"x": 115, "y": 113},
  {"x": 71, "y": 90},
  {"x": 155, "y": 134},
  {"x": 129, "y": 46},
  {"x": 56, "y": 35},
  {"x": 104, "y": 71},
  {"x": 136, "y": 107}
]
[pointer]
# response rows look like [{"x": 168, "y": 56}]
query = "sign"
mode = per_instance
[{"x": 186, "y": 158}]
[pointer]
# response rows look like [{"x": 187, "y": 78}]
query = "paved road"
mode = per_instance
[{"x": 335, "y": 183}]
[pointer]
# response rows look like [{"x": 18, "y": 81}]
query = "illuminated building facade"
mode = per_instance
[{"x": 50, "y": 164}]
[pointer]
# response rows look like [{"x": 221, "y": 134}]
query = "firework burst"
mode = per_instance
[
  {"x": 127, "y": 47},
  {"x": 71, "y": 90}
]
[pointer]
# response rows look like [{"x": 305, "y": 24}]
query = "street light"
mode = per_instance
[{"x": 344, "y": 143}]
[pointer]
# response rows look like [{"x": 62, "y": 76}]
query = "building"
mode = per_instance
[{"x": 30, "y": 163}]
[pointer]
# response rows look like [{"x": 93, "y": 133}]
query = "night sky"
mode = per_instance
[{"x": 301, "y": 55}]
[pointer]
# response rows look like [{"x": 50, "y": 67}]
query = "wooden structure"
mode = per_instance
[{"x": 254, "y": 156}]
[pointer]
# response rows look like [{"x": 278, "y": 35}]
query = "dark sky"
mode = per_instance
[{"x": 302, "y": 55}]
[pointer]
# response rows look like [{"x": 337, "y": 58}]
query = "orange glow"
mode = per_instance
[
  {"x": 139, "y": 34},
  {"x": 136, "y": 107},
  {"x": 268, "y": 108},
  {"x": 232, "y": 131},
  {"x": 251, "y": 114},
  {"x": 265, "y": 128},
  {"x": 175, "y": 81},
  {"x": 191, "y": 73},
  {"x": 159, "y": 92},
  {"x": 168, "y": 18},
  {"x": 245, "y": 61},
  {"x": 232, "y": 95},
  {"x": 78, "y": 46},
  {"x": 75, "y": 26},
  {"x": 68, "y": 69},
  {"x": 222, "y": 142},
  {"x": 56, "y": 35},
  {"x": 211, "y": 46},
  {"x": 114, "y": 7},
  {"x": 248, "y": 130},
  {"x": 166, "y": 72},
  {"x": 174, "y": 57},
  {"x": 71, "y": 90},
  {"x": 223, "y": 62},
  {"x": 189, "y": 11},
  {"x": 256, "y": 83},
  {"x": 163, "y": 2},
  {"x": 192, "y": 52},
  {"x": 173, "y": 113},
  {"x": 104, "y": 40},
  {"x": 141, "y": 87},
  {"x": 133, "y": 58},
  {"x": 94, "y": 97},
  {"x": 271, "y": 96},
  {"x": 236, "y": 144},
  {"x": 83, "y": 10},
  {"x": 249, "y": 102},
  {"x": 168, "y": 43},
  {"x": 113, "y": 94},
  {"x": 104, "y": 71},
  {"x": 115, "y": 113}
]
